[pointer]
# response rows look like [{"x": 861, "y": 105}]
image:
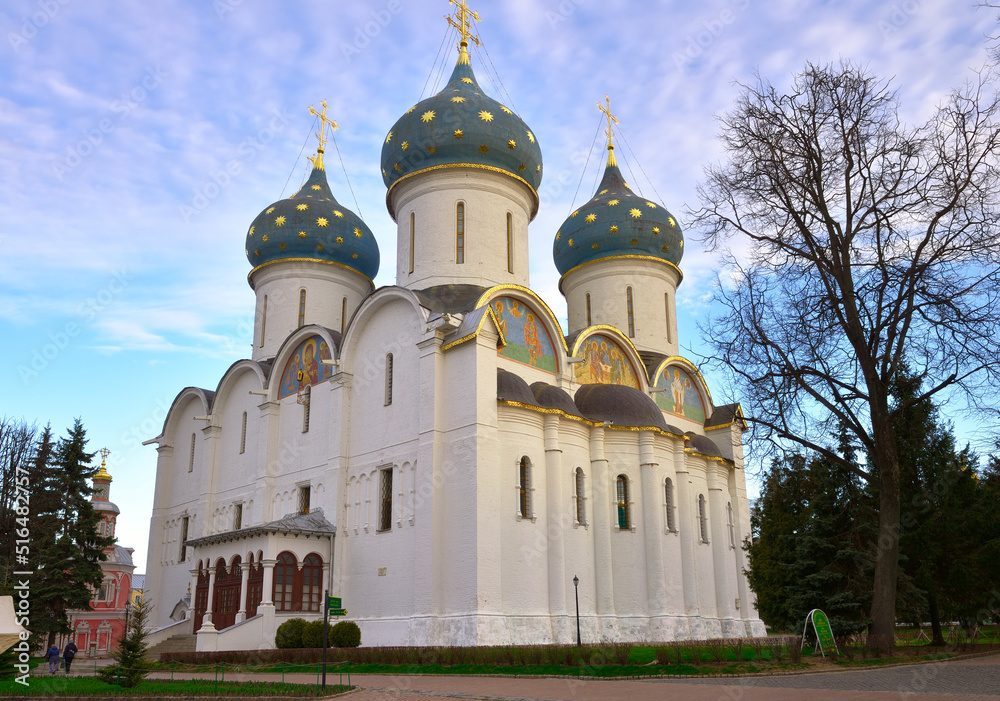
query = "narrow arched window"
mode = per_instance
[
  {"x": 524, "y": 488},
  {"x": 284, "y": 581},
  {"x": 305, "y": 398},
  {"x": 581, "y": 504},
  {"x": 413, "y": 237},
  {"x": 731, "y": 524},
  {"x": 263, "y": 322},
  {"x": 510, "y": 243},
  {"x": 343, "y": 316},
  {"x": 388, "y": 379},
  {"x": 302, "y": 308},
  {"x": 312, "y": 582},
  {"x": 624, "y": 517},
  {"x": 666, "y": 306},
  {"x": 460, "y": 233},
  {"x": 243, "y": 434},
  {"x": 191, "y": 457},
  {"x": 631, "y": 312},
  {"x": 702, "y": 518},
  {"x": 589, "y": 322},
  {"x": 668, "y": 495},
  {"x": 385, "y": 499}
]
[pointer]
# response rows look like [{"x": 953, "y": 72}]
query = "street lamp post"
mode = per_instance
[{"x": 576, "y": 589}]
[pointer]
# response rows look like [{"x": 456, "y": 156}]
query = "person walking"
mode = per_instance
[
  {"x": 53, "y": 657},
  {"x": 69, "y": 652}
]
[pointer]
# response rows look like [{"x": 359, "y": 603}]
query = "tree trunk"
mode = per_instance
[
  {"x": 882, "y": 635},
  {"x": 936, "y": 637}
]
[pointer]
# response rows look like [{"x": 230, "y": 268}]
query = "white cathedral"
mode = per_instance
[{"x": 438, "y": 453}]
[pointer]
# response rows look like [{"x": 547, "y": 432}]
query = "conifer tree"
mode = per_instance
[
  {"x": 67, "y": 550},
  {"x": 131, "y": 665}
]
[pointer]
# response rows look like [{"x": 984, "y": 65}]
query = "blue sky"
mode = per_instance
[{"x": 139, "y": 140}]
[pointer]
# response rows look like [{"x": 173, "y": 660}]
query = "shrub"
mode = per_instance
[
  {"x": 289, "y": 634},
  {"x": 312, "y": 635},
  {"x": 345, "y": 634}
]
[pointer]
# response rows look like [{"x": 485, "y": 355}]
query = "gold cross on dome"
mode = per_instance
[
  {"x": 611, "y": 118},
  {"x": 460, "y": 21},
  {"x": 323, "y": 122},
  {"x": 104, "y": 453}
]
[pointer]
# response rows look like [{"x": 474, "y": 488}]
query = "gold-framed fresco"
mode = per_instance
[
  {"x": 304, "y": 368},
  {"x": 605, "y": 362},
  {"x": 682, "y": 396},
  {"x": 528, "y": 339}
]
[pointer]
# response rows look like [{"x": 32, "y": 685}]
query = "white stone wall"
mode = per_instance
[
  {"x": 326, "y": 287},
  {"x": 654, "y": 285},
  {"x": 488, "y": 198}
]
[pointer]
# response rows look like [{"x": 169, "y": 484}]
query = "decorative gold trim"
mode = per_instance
[
  {"x": 680, "y": 360},
  {"x": 594, "y": 424},
  {"x": 479, "y": 327},
  {"x": 714, "y": 458},
  {"x": 624, "y": 256},
  {"x": 474, "y": 166},
  {"x": 306, "y": 260},
  {"x": 488, "y": 295}
]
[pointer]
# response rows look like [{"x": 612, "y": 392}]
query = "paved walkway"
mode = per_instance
[{"x": 968, "y": 679}]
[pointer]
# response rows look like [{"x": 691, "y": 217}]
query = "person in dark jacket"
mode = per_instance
[
  {"x": 53, "y": 657},
  {"x": 69, "y": 652}
]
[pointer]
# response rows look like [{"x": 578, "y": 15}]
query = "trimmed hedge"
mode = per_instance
[
  {"x": 289, "y": 634},
  {"x": 345, "y": 634}
]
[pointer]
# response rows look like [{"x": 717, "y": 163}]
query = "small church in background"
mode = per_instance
[
  {"x": 96, "y": 632},
  {"x": 439, "y": 452}
]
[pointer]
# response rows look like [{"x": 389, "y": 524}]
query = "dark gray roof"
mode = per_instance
[
  {"x": 703, "y": 445},
  {"x": 652, "y": 361},
  {"x": 451, "y": 299},
  {"x": 551, "y": 397},
  {"x": 725, "y": 415},
  {"x": 622, "y": 406},
  {"x": 120, "y": 556},
  {"x": 312, "y": 524},
  {"x": 511, "y": 388}
]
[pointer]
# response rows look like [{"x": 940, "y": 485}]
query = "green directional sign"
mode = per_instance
[
  {"x": 824, "y": 633},
  {"x": 335, "y": 606}
]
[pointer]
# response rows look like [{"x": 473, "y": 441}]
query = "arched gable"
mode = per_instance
[
  {"x": 550, "y": 320},
  {"x": 369, "y": 307},
  {"x": 202, "y": 397},
  {"x": 685, "y": 392},
  {"x": 298, "y": 365},
  {"x": 232, "y": 376},
  {"x": 608, "y": 358}
]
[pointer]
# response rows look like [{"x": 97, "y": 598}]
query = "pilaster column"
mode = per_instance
[
  {"x": 649, "y": 473},
  {"x": 687, "y": 525},
  {"x": 604, "y": 593},
  {"x": 192, "y": 593},
  {"x": 268, "y": 584},
  {"x": 241, "y": 615},
  {"x": 556, "y": 524},
  {"x": 718, "y": 482},
  {"x": 207, "y": 619}
]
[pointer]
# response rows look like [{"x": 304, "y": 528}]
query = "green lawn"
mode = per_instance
[{"x": 89, "y": 686}]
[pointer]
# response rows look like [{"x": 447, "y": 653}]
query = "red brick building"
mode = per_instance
[{"x": 96, "y": 632}]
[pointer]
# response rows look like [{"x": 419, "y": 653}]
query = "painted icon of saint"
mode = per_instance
[
  {"x": 677, "y": 386},
  {"x": 531, "y": 340},
  {"x": 310, "y": 368}
]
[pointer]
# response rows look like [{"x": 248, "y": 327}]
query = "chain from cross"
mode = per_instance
[
  {"x": 461, "y": 21},
  {"x": 611, "y": 118}
]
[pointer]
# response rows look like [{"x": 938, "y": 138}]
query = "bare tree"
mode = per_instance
[
  {"x": 17, "y": 445},
  {"x": 873, "y": 249}
]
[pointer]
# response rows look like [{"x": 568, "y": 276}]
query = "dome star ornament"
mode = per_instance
[{"x": 427, "y": 116}]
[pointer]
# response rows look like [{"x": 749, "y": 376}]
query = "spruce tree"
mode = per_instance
[
  {"x": 131, "y": 665},
  {"x": 68, "y": 550}
]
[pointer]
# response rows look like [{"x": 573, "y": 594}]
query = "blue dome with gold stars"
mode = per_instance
[
  {"x": 461, "y": 126},
  {"x": 616, "y": 223},
  {"x": 312, "y": 225}
]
